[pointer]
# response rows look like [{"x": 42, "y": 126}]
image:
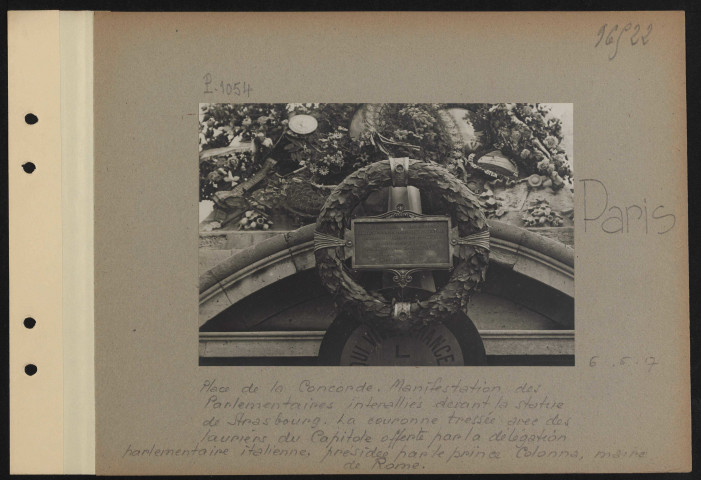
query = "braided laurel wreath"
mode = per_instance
[{"x": 370, "y": 307}]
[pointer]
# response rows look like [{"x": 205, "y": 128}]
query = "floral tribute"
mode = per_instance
[
  {"x": 221, "y": 123},
  {"x": 527, "y": 134},
  {"x": 224, "y": 172},
  {"x": 329, "y": 153},
  {"x": 251, "y": 125},
  {"x": 526, "y": 138},
  {"x": 417, "y": 125}
]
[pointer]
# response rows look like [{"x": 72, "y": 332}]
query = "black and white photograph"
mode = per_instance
[{"x": 386, "y": 234}]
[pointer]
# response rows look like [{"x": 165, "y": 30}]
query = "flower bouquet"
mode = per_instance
[
  {"x": 332, "y": 156},
  {"x": 411, "y": 130},
  {"x": 224, "y": 172},
  {"x": 528, "y": 135},
  {"x": 221, "y": 123}
]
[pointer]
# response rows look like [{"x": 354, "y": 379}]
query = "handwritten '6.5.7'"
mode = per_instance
[
  {"x": 625, "y": 361},
  {"x": 635, "y": 34}
]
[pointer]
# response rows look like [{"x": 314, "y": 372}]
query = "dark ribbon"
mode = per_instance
[{"x": 380, "y": 140}]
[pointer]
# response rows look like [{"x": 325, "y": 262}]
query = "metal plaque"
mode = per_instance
[{"x": 401, "y": 243}]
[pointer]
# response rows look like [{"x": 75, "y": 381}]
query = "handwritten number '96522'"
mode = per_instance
[{"x": 616, "y": 33}]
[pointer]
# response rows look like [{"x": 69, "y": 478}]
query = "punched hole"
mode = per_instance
[
  {"x": 29, "y": 167},
  {"x": 30, "y": 369},
  {"x": 31, "y": 119},
  {"x": 29, "y": 322}
]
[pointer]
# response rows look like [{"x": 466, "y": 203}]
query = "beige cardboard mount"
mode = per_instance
[{"x": 137, "y": 80}]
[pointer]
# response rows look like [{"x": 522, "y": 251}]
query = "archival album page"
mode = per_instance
[{"x": 390, "y": 243}]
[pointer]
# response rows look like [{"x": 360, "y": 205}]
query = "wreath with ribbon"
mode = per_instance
[{"x": 371, "y": 307}]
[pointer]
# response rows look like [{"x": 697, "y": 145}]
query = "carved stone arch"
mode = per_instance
[{"x": 539, "y": 258}]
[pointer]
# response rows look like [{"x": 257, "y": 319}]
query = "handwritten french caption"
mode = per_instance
[
  {"x": 606, "y": 213},
  {"x": 622, "y": 35},
  {"x": 230, "y": 88},
  {"x": 388, "y": 426}
]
